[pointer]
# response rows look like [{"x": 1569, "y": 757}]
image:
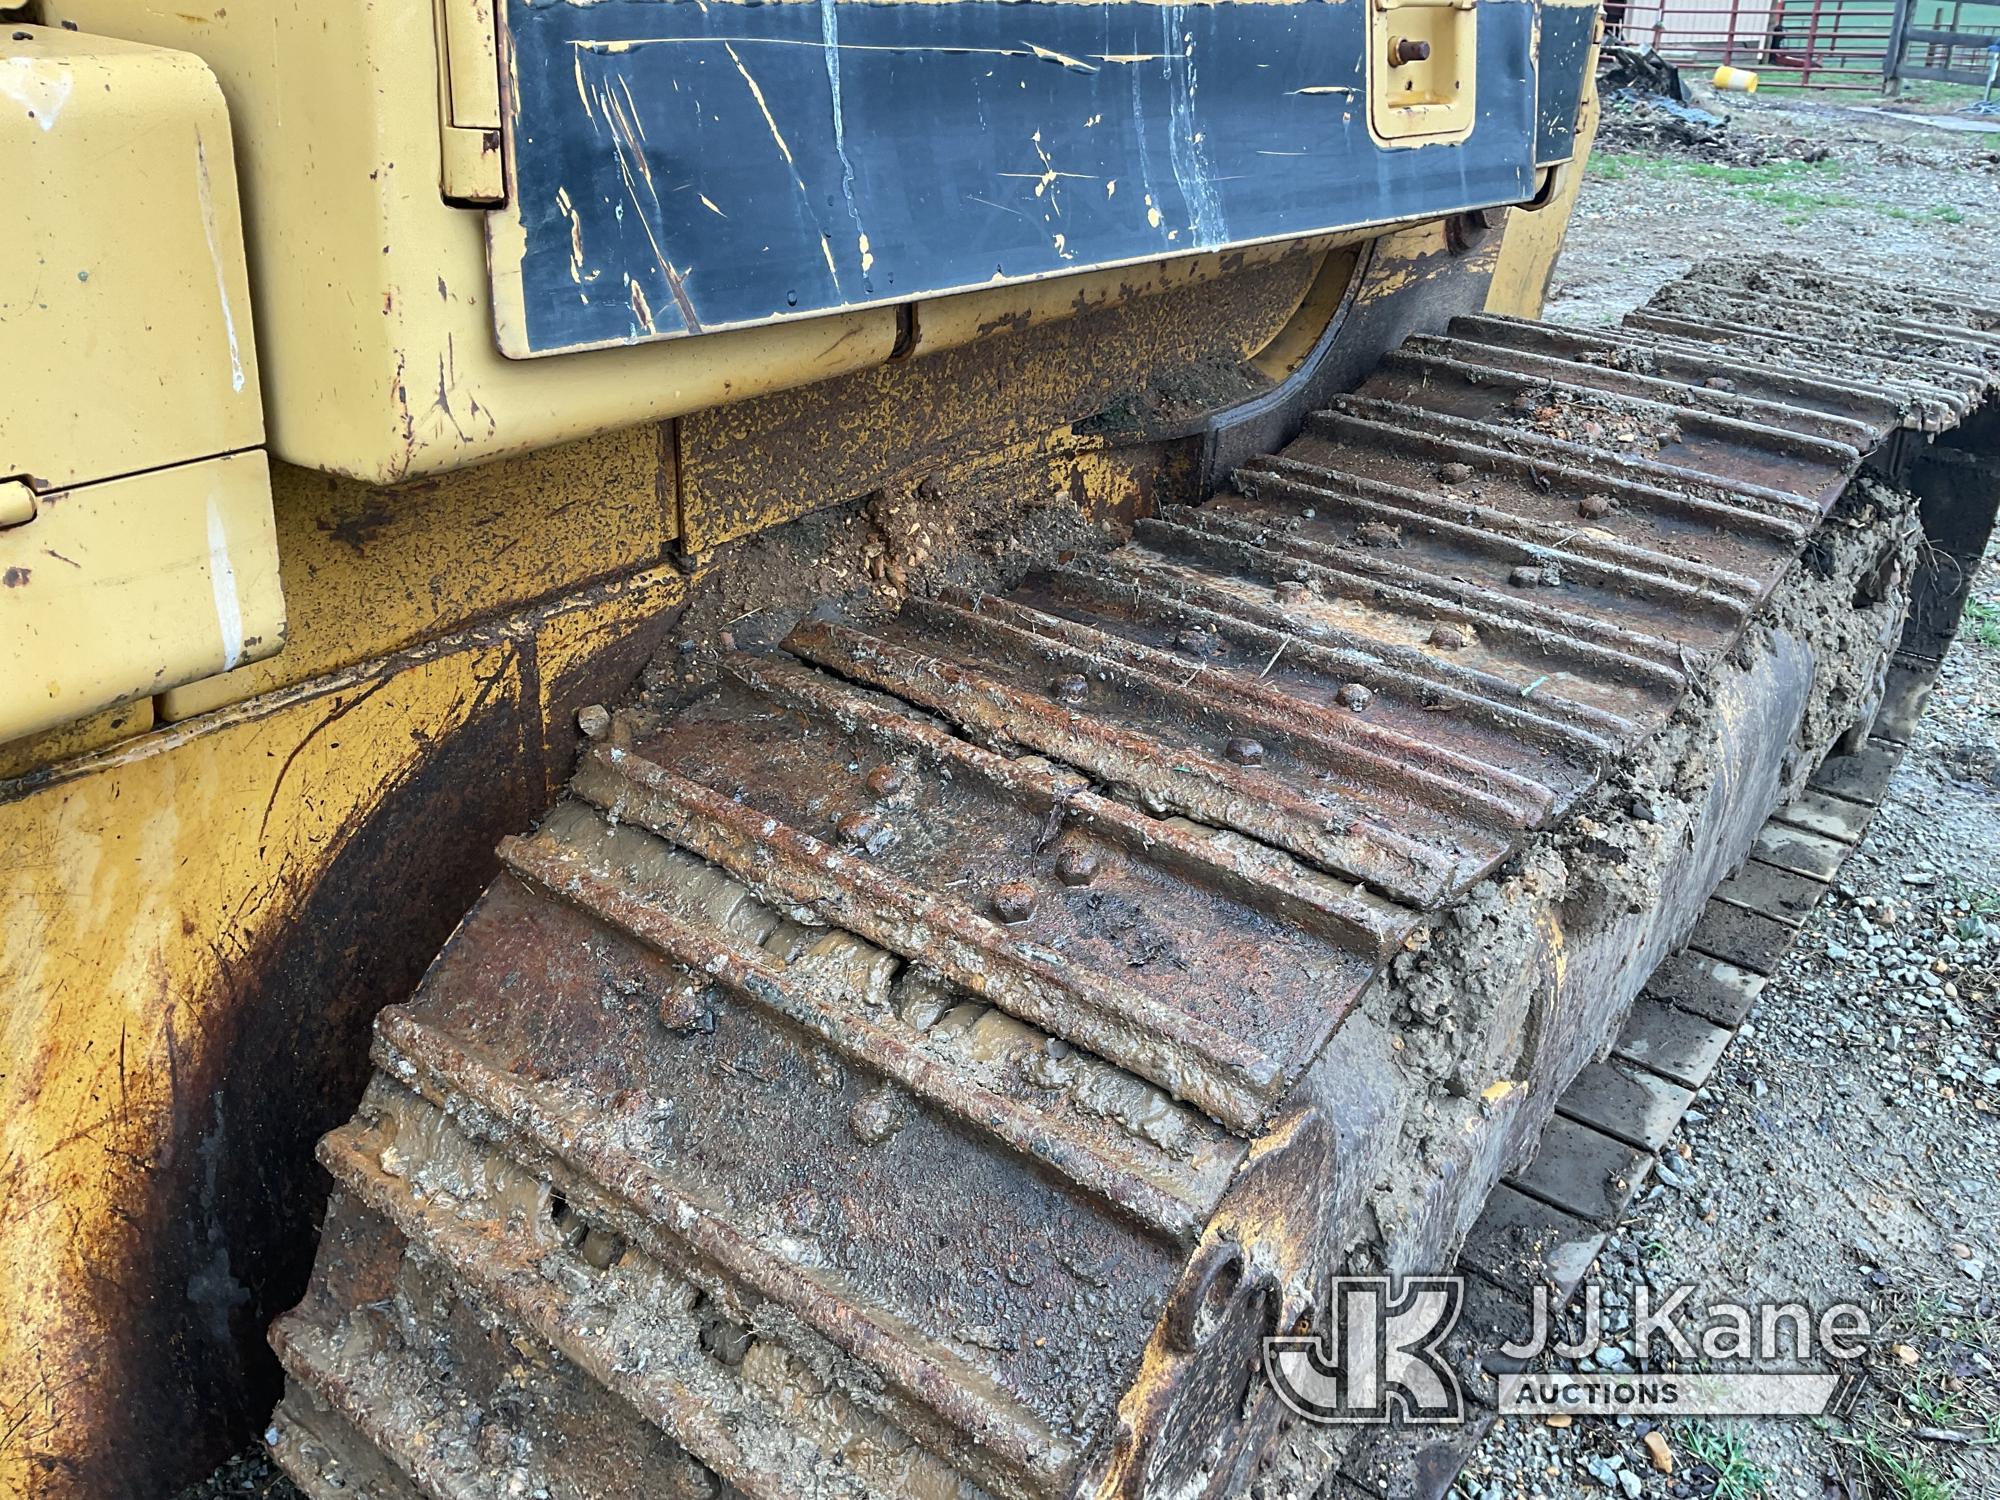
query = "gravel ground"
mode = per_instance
[{"x": 1847, "y": 1147}]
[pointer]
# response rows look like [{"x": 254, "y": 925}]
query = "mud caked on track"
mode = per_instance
[{"x": 930, "y": 1058}]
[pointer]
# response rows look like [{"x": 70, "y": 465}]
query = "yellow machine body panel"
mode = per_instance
[{"x": 136, "y": 545}]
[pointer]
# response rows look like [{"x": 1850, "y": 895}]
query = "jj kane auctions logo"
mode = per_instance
[{"x": 1387, "y": 1353}]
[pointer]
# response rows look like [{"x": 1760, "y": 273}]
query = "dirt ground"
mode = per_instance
[{"x": 1847, "y": 1148}]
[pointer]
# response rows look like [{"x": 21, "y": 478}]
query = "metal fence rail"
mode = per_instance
[{"x": 1820, "y": 44}]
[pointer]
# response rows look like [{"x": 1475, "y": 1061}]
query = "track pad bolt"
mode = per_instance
[
  {"x": 1076, "y": 864},
  {"x": 1454, "y": 473},
  {"x": 876, "y": 1116},
  {"x": 1353, "y": 695},
  {"x": 1595, "y": 507},
  {"x": 594, "y": 721},
  {"x": 1070, "y": 689},
  {"x": 1407, "y": 49},
  {"x": 862, "y": 830},
  {"x": 886, "y": 781},
  {"x": 1290, "y": 590},
  {"x": 688, "y": 1008},
  {"x": 1243, "y": 751},
  {"x": 1450, "y": 637},
  {"x": 1014, "y": 901}
]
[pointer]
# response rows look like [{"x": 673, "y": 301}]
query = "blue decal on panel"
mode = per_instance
[
  {"x": 687, "y": 165},
  {"x": 1564, "y": 53}
]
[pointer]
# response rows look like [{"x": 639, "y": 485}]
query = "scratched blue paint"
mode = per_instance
[
  {"x": 1564, "y": 52},
  {"x": 682, "y": 166}
]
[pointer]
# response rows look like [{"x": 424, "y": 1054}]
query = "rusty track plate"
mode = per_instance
[{"x": 884, "y": 1076}]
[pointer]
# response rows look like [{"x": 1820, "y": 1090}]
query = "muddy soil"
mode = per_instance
[
  {"x": 1882, "y": 195},
  {"x": 1846, "y": 1149}
]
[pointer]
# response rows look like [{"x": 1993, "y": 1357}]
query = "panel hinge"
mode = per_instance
[{"x": 474, "y": 169}]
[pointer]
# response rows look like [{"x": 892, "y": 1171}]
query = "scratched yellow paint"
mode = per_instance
[
  {"x": 17, "y": 757},
  {"x": 1534, "y": 237},
  {"x": 371, "y": 569},
  {"x": 372, "y": 294},
  {"x": 129, "y": 885},
  {"x": 132, "y": 407}
]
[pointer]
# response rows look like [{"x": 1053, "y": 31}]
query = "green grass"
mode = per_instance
[
  {"x": 1795, "y": 190},
  {"x": 1936, "y": 1409},
  {"x": 1983, "y": 618},
  {"x": 1901, "y": 1477},
  {"x": 1736, "y": 1478}
]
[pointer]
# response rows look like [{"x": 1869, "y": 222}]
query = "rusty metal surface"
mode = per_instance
[{"x": 925, "y": 1005}]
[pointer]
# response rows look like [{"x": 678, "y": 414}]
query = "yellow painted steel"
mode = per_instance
[
  {"x": 144, "y": 554},
  {"x": 369, "y": 570},
  {"x": 34, "y": 752},
  {"x": 371, "y": 290},
  {"x": 1534, "y": 235},
  {"x": 120, "y": 588},
  {"x": 1422, "y": 70},
  {"x": 127, "y": 334},
  {"x": 140, "y": 884}
]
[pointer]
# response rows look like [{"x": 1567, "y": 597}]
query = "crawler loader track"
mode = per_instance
[{"x": 910, "y": 1068}]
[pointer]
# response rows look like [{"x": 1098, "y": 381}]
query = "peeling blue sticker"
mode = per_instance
[{"x": 682, "y": 166}]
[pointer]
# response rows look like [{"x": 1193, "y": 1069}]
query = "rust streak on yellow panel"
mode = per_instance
[{"x": 201, "y": 922}]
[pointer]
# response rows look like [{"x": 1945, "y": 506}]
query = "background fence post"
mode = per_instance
[{"x": 1892, "y": 55}]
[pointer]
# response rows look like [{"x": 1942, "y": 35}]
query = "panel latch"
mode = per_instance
[
  {"x": 1422, "y": 63},
  {"x": 468, "y": 45}
]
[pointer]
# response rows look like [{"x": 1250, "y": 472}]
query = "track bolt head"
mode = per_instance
[
  {"x": 1076, "y": 864},
  {"x": 1447, "y": 637},
  {"x": 1015, "y": 901},
  {"x": 1243, "y": 750},
  {"x": 1454, "y": 473},
  {"x": 1289, "y": 590},
  {"x": 594, "y": 720},
  {"x": 1378, "y": 534},
  {"x": 876, "y": 1116},
  {"x": 886, "y": 781},
  {"x": 1353, "y": 695},
  {"x": 1408, "y": 49},
  {"x": 1595, "y": 507},
  {"x": 862, "y": 830},
  {"x": 1720, "y": 383},
  {"x": 1070, "y": 688},
  {"x": 688, "y": 1008},
  {"x": 1529, "y": 576}
]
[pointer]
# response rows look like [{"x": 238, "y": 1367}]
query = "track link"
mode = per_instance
[{"x": 912, "y": 1069}]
